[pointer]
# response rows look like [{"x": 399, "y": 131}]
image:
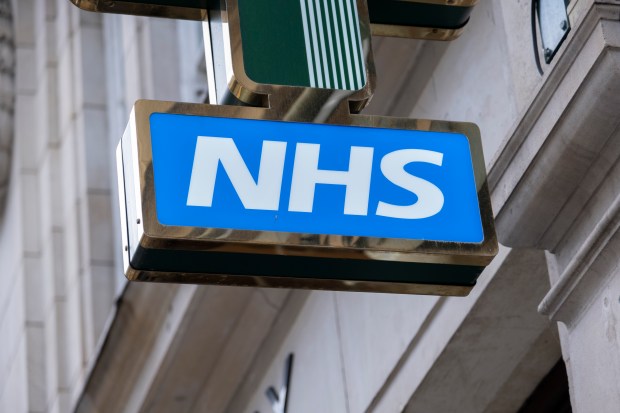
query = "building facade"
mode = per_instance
[{"x": 77, "y": 337}]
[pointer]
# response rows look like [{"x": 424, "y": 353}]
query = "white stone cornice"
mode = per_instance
[
  {"x": 537, "y": 181},
  {"x": 590, "y": 269},
  {"x": 555, "y": 184}
]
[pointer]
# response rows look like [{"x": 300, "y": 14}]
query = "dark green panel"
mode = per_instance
[
  {"x": 405, "y": 13},
  {"x": 274, "y": 49},
  {"x": 205, "y": 262}
]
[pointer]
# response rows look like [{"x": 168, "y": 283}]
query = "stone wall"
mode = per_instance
[
  {"x": 7, "y": 96},
  {"x": 78, "y": 75}
]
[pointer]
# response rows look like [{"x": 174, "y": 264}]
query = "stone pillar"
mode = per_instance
[
  {"x": 7, "y": 96},
  {"x": 585, "y": 300},
  {"x": 560, "y": 192}
]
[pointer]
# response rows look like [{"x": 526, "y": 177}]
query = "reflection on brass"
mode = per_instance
[
  {"x": 143, "y": 231},
  {"x": 305, "y": 283},
  {"x": 458, "y": 3},
  {"x": 410, "y": 32},
  {"x": 141, "y": 9}
]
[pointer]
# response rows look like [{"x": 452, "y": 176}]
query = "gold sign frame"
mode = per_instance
[{"x": 142, "y": 231}]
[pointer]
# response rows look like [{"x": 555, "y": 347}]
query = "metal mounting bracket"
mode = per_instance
[{"x": 553, "y": 24}]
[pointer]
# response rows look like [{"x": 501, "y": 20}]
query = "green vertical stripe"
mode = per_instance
[
  {"x": 353, "y": 41},
  {"x": 329, "y": 41},
  {"x": 362, "y": 67},
  {"x": 316, "y": 37},
  {"x": 315, "y": 44},
  {"x": 332, "y": 44},
  {"x": 321, "y": 31},
  {"x": 308, "y": 42},
  {"x": 337, "y": 37},
  {"x": 346, "y": 29}
]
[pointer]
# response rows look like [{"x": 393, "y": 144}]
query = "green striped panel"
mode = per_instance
[{"x": 309, "y": 43}]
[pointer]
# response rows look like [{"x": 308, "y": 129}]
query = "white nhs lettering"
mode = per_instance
[{"x": 264, "y": 193}]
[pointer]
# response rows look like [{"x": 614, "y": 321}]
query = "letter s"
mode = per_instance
[{"x": 430, "y": 198}]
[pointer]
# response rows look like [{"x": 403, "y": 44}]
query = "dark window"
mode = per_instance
[{"x": 551, "y": 395}]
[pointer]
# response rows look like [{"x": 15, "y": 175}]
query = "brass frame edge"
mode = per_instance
[
  {"x": 140, "y": 9},
  {"x": 414, "y": 32},
  {"x": 122, "y": 203},
  {"x": 88, "y": 5},
  {"x": 483, "y": 258},
  {"x": 294, "y": 282}
]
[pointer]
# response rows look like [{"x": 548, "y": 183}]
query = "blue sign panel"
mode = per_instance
[{"x": 243, "y": 174}]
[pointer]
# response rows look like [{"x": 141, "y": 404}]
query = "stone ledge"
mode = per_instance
[
  {"x": 560, "y": 138},
  {"x": 590, "y": 268},
  {"x": 555, "y": 184}
]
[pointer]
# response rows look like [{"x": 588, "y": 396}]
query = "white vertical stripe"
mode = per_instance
[
  {"x": 304, "y": 19},
  {"x": 322, "y": 37},
  {"x": 353, "y": 44},
  {"x": 315, "y": 43},
  {"x": 330, "y": 25},
  {"x": 338, "y": 47},
  {"x": 359, "y": 44},
  {"x": 346, "y": 39}
]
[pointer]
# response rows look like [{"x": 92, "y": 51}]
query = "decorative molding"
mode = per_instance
[
  {"x": 587, "y": 272},
  {"x": 555, "y": 183},
  {"x": 537, "y": 180}
]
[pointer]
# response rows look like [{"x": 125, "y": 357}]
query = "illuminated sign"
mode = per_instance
[
  {"x": 259, "y": 175},
  {"x": 233, "y": 195}
]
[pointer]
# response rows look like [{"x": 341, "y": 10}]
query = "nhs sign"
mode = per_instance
[
  {"x": 264, "y": 175},
  {"x": 215, "y": 194}
]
